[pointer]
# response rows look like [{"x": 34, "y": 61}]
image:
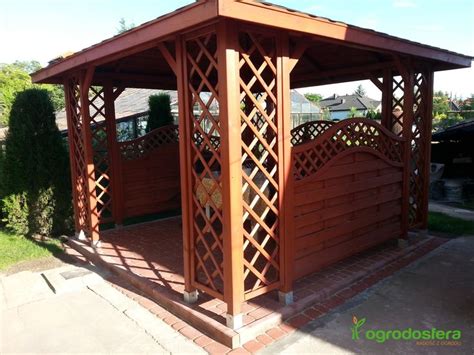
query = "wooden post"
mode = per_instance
[
  {"x": 387, "y": 95},
  {"x": 427, "y": 127},
  {"x": 68, "y": 87},
  {"x": 190, "y": 293},
  {"x": 114, "y": 154},
  {"x": 91, "y": 199},
  {"x": 228, "y": 60},
  {"x": 286, "y": 193}
]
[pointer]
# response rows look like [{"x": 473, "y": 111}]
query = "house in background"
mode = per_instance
[
  {"x": 340, "y": 106},
  {"x": 131, "y": 111},
  {"x": 303, "y": 110}
]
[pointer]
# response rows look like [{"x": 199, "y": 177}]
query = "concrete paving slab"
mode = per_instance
[
  {"x": 78, "y": 322},
  {"x": 436, "y": 292},
  {"x": 60, "y": 284},
  {"x": 171, "y": 340},
  {"x": 88, "y": 317},
  {"x": 24, "y": 287}
]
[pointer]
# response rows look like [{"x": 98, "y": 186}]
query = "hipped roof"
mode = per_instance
[{"x": 336, "y": 46}]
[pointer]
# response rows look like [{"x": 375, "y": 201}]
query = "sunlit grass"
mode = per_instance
[{"x": 15, "y": 249}]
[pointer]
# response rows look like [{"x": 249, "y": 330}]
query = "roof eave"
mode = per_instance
[
  {"x": 201, "y": 12},
  {"x": 276, "y": 16},
  {"x": 130, "y": 42}
]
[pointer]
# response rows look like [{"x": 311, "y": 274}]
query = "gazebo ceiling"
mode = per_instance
[{"x": 333, "y": 51}]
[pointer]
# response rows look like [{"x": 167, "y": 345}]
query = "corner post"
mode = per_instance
[
  {"x": 113, "y": 150},
  {"x": 71, "y": 108},
  {"x": 387, "y": 97},
  {"x": 228, "y": 61},
  {"x": 428, "y": 121},
  {"x": 185, "y": 163},
  {"x": 91, "y": 199},
  {"x": 285, "y": 172}
]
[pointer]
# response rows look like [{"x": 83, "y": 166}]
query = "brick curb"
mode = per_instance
[{"x": 275, "y": 326}]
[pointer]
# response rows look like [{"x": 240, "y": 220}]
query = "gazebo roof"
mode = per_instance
[{"x": 337, "y": 51}]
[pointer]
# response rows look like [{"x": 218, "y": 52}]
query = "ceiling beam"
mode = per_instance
[{"x": 343, "y": 72}]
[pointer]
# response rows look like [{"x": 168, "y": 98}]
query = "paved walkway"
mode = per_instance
[
  {"x": 452, "y": 211},
  {"x": 437, "y": 291},
  {"x": 73, "y": 310}
]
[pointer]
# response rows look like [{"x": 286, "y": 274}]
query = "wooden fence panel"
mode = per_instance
[{"x": 348, "y": 193}]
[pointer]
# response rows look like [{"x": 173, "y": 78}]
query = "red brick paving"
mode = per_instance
[{"x": 154, "y": 251}]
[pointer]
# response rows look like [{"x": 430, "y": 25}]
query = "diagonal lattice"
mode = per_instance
[
  {"x": 397, "y": 114},
  {"x": 309, "y": 158},
  {"x": 260, "y": 190},
  {"x": 142, "y": 146},
  {"x": 101, "y": 156},
  {"x": 309, "y": 131},
  {"x": 77, "y": 155},
  {"x": 201, "y": 67},
  {"x": 418, "y": 149}
]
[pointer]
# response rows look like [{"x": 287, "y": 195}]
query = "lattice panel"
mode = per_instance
[
  {"x": 77, "y": 156},
  {"x": 419, "y": 144},
  {"x": 202, "y": 72},
  {"x": 397, "y": 114},
  {"x": 309, "y": 158},
  {"x": 101, "y": 155},
  {"x": 260, "y": 190},
  {"x": 142, "y": 146},
  {"x": 309, "y": 131}
]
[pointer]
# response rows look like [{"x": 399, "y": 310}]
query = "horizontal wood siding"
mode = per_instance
[
  {"x": 353, "y": 204},
  {"x": 151, "y": 183}
]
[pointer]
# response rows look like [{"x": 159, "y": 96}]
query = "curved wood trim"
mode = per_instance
[
  {"x": 330, "y": 132},
  {"x": 149, "y": 134}
]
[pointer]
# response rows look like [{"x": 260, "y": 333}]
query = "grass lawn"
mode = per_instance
[
  {"x": 439, "y": 222},
  {"x": 14, "y": 249}
]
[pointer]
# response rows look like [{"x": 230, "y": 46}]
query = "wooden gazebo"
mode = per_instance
[{"x": 262, "y": 204}]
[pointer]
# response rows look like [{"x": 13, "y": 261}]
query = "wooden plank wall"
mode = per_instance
[
  {"x": 151, "y": 183},
  {"x": 350, "y": 205}
]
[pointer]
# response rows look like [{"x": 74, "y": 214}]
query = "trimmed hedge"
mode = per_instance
[
  {"x": 160, "y": 111},
  {"x": 36, "y": 183}
]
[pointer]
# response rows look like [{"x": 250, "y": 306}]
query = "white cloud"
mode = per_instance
[{"x": 403, "y": 3}]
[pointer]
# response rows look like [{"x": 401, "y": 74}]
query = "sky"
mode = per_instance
[{"x": 42, "y": 30}]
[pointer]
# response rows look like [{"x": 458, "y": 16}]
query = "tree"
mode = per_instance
[
  {"x": 467, "y": 104},
  {"x": 124, "y": 26},
  {"x": 35, "y": 179},
  {"x": 440, "y": 103},
  {"x": 374, "y": 115},
  {"x": 360, "y": 91},
  {"x": 353, "y": 113},
  {"x": 313, "y": 97},
  {"x": 14, "y": 78},
  {"x": 160, "y": 111}
]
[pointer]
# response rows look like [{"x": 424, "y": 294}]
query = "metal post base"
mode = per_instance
[
  {"x": 402, "y": 243},
  {"x": 81, "y": 236},
  {"x": 285, "y": 298},
  {"x": 191, "y": 297},
  {"x": 234, "y": 321}
]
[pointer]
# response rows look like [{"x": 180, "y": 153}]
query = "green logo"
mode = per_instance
[
  {"x": 431, "y": 336},
  {"x": 356, "y": 327}
]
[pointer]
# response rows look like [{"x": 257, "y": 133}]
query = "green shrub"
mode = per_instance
[
  {"x": 160, "y": 111},
  {"x": 2, "y": 169},
  {"x": 15, "y": 208},
  {"x": 36, "y": 165}
]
